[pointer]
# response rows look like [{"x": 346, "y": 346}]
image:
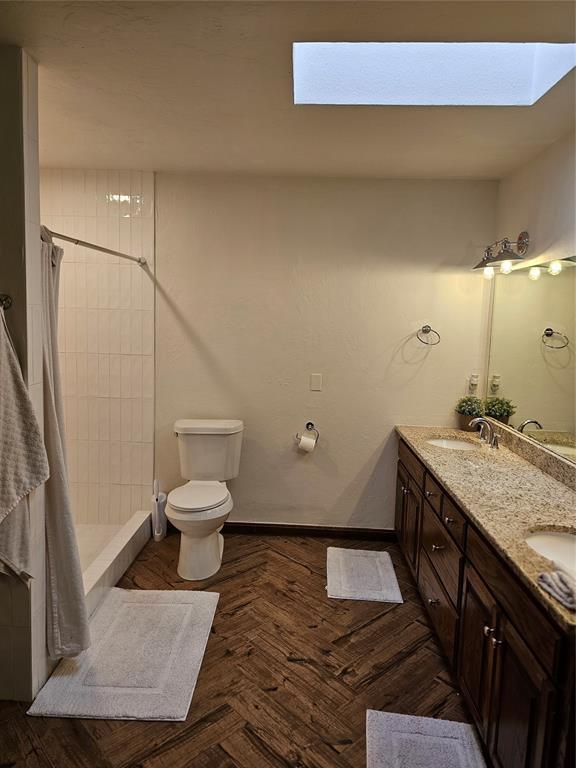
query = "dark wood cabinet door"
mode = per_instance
[
  {"x": 521, "y": 704},
  {"x": 411, "y": 531},
  {"x": 478, "y": 626},
  {"x": 401, "y": 493}
]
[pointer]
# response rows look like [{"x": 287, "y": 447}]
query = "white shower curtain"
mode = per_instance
[{"x": 67, "y": 620}]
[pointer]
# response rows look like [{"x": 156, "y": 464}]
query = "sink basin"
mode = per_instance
[
  {"x": 452, "y": 445},
  {"x": 566, "y": 450},
  {"x": 558, "y": 546}
]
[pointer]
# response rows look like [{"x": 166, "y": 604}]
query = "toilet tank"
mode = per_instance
[{"x": 209, "y": 449}]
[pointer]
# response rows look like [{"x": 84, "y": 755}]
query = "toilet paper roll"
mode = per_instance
[{"x": 306, "y": 443}]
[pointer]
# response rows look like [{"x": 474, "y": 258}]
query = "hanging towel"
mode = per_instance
[
  {"x": 67, "y": 632},
  {"x": 23, "y": 462},
  {"x": 561, "y": 586}
]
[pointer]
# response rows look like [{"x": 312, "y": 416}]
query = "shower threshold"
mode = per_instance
[{"x": 102, "y": 568}]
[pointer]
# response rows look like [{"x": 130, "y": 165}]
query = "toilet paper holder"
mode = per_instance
[{"x": 310, "y": 427}]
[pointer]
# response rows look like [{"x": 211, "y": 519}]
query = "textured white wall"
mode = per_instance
[
  {"x": 262, "y": 281},
  {"x": 540, "y": 197}
]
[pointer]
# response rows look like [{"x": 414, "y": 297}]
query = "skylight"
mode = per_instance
[{"x": 420, "y": 74}]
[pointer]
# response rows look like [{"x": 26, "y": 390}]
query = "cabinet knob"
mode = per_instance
[
  {"x": 488, "y": 631},
  {"x": 495, "y": 642},
  {"x": 405, "y": 491},
  {"x": 448, "y": 520},
  {"x": 437, "y": 547},
  {"x": 433, "y": 601},
  {"x": 429, "y": 494}
]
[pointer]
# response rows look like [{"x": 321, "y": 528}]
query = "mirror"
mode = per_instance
[{"x": 536, "y": 368}]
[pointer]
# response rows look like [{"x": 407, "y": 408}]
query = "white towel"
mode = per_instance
[
  {"x": 561, "y": 585},
  {"x": 23, "y": 462}
]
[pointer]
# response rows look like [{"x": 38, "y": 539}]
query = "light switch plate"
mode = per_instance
[{"x": 316, "y": 382}]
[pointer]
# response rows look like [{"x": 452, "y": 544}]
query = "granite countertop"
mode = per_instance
[{"x": 506, "y": 497}]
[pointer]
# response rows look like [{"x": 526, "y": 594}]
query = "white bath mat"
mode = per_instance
[
  {"x": 404, "y": 741},
  {"x": 147, "y": 648},
  {"x": 360, "y": 574}
]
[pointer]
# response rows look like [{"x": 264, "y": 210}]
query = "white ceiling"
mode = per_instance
[{"x": 208, "y": 87}]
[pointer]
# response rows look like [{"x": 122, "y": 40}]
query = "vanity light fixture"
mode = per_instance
[
  {"x": 534, "y": 273},
  {"x": 502, "y": 254},
  {"x": 555, "y": 267}
]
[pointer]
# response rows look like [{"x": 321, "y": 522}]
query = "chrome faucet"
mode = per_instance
[
  {"x": 485, "y": 426},
  {"x": 529, "y": 421}
]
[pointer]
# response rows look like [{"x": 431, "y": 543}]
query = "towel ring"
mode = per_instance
[
  {"x": 425, "y": 331},
  {"x": 5, "y": 301},
  {"x": 550, "y": 333}
]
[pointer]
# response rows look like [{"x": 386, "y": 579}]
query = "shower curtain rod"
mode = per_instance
[{"x": 138, "y": 259}]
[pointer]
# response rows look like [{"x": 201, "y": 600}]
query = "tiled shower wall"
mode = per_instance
[{"x": 106, "y": 337}]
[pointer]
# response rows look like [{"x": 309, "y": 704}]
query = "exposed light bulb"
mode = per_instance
[
  {"x": 488, "y": 273},
  {"x": 555, "y": 268},
  {"x": 506, "y": 267},
  {"x": 534, "y": 273}
]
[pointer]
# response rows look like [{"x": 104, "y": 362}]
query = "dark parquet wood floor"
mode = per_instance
[{"x": 287, "y": 677}]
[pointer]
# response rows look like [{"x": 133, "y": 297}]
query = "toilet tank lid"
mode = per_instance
[{"x": 208, "y": 426}]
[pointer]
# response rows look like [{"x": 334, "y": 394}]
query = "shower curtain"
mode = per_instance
[{"x": 67, "y": 620}]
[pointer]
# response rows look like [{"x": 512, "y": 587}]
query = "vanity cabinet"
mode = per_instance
[{"x": 513, "y": 663}]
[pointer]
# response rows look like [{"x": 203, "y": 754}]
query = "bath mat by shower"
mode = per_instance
[
  {"x": 360, "y": 574},
  {"x": 404, "y": 741},
  {"x": 147, "y": 648}
]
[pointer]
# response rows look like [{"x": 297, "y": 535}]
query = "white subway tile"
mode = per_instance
[
  {"x": 148, "y": 195},
  {"x": 92, "y": 369},
  {"x": 93, "y": 462},
  {"x": 115, "y": 457},
  {"x": 115, "y": 415},
  {"x": 126, "y": 285},
  {"x": 83, "y": 462},
  {"x": 126, "y": 376},
  {"x": 136, "y": 376},
  {"x": 104, "y": 331},
  {"x": 147, "y": 376},
  {"x": 147, "y": 420},
  {"x": 124, "y": 192},
  {"x": 147, "y": 332},
  {"x": 136, "y": 433},
  {"x": 115, "y": 325},
  {"x": 83, "y": 419},
  {"x": 103, "y": 376},
  {"x": 136, "y": 322},
  {"x": 93, "y": 427},
  {"x": 104, "y": 419}
]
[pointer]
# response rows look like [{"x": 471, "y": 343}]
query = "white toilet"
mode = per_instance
[{"x": 209, "y": 451}]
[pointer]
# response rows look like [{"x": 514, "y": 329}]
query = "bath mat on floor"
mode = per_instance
[
  {"x": 147, "y": 648},
  {"x": 404, "y": 741},
  {"x": 360, "y": 574}
]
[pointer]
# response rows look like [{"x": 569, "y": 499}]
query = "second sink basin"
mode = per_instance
[
  {"x": 559, "y": 546},
  {"x": 453, "y": 445}
]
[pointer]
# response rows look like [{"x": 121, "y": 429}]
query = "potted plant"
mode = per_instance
[
  {"x": 499, "y": 408},
  {"x": 467, "y": 409}
]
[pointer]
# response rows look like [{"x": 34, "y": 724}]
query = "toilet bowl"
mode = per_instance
[{"x": 198, "y": 510}]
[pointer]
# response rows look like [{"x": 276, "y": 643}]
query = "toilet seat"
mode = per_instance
[{"x": 199, "y": 496}]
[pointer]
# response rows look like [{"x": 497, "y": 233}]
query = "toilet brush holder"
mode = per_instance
[{"x": 159, "y": 520}]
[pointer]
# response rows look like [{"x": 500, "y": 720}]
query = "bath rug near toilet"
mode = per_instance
[
  {"x": 404, "y": 741},
  {"x": 360, "y": 574},
  {"x": 147, "y": 648}
]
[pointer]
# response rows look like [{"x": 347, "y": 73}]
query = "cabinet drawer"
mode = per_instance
[
  {"x": 440, "y": 609},
  {"x": 412, "y": 464},
  {"x": 454, "y": 521},
  {"x": 442, "y": 552},
  {"x": 433, "y": 493}
]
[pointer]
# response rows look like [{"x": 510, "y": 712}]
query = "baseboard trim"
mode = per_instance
[{"x": 287, "y": 529}]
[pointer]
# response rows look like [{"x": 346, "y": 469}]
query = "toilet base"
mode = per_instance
[{"x": 200, "y": 557}]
